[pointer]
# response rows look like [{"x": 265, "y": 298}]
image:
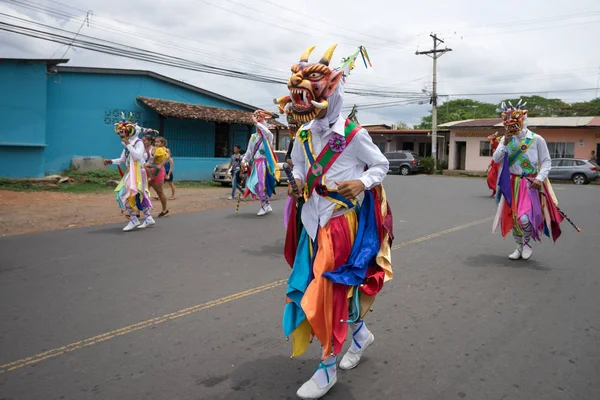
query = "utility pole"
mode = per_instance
[{"x": 435, "y": 54}]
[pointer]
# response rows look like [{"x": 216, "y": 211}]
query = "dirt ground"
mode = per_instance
[{"x": 27, "y": 212}]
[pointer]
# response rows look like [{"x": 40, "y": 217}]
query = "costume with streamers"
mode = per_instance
[
  {"x": 264, "y": 174},
  {"x": 132, "y": 192},
  {"x": 339, "y": 249},
  {"x": 528, "y": 212},
  {"x": 493, "y": 167}
]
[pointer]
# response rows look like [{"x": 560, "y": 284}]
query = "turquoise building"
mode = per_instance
[{"x": 52, "y": 113}]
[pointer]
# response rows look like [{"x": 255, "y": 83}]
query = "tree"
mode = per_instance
[
  {"x": 403, "y": 125},
  {"x": 458, "y": 110},
  {"x": 539, "y": 106},
  {"x": 586, "y": 108}
]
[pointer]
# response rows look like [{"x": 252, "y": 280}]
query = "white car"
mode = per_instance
[{"x": 222, "y": 172}]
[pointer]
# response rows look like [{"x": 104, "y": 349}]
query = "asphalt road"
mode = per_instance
[{"x": 191, "y": 309}]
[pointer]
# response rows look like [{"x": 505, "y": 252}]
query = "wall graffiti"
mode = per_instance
[{"x": 113, "y": 116}]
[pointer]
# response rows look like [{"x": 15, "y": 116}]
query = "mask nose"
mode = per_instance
[{"x": 296, "y": 79}]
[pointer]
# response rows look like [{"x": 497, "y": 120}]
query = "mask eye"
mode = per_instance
[
  {"x": 517, "y": 115},
  {"x": 315, "y": 75}
]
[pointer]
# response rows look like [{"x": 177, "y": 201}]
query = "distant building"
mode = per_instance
[
  {"x": 571, "y": 137},
  {"x": 52, "y": 113},
  {"x": 414, "y": 140}
]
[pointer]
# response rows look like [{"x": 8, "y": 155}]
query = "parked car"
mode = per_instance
[
  {"x": 222, "y": 172},
  {"x": 578, "y": 170},
  {"x": 404, "y": 162}
]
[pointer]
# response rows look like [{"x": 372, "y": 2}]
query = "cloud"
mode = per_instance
[{"x": 494, "y": 51}]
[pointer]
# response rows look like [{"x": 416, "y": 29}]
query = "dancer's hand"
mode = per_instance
[
  {"x": 507, "y": 138},
  {"x": 106, "y": 162},
  {"x": 291, "y": 192},
  {"x": 350, "y": 189},
  {"x": 536, "y": 184},
  {"x": 125, "y": 141}
]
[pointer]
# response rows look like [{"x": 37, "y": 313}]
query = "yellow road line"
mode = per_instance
[
  {"x": 135, "y": 327},
  {"x": 441, "y": 233},
  {"x": 186, "y": 311}
]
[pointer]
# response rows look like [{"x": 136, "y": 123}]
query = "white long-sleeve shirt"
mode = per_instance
[
  {"x": 136, "y": 151},
  {"x": 250, "y": 151},
  {"x": 350, "y": 165},
  {"x": 537, "y": 153}
]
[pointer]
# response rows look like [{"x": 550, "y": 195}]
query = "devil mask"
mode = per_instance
[
  {"x": 310, "y": 85},
  {"x": 514, "y": 117}
]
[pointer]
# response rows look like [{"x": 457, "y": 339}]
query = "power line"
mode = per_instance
[
  {"x": 112, "y": 29},
  {"x": 315, "y": 18},
  {"x": 521, "y": 92}
]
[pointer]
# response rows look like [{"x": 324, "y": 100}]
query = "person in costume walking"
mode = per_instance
[
  {"x": 493, "y": 167},
  {"x": 169, "y": 166},
  {"x": 156, "y": 156},
  {"x": 259, "y": 156},
  {"x": 235, "y": 164},
  {"x": 527, "y": 205},
  {"x": 340, "y": 258},
  {"x": 132, "y": 191}
]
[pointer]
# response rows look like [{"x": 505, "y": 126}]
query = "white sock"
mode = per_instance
[
  {"x": 360, "y": 334},
  {"x": 321, "y": 377}
]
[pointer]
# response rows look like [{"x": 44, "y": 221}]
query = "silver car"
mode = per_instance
[
  {"x": 222, "y": 172},
  {"x": 578, "y": 170}
]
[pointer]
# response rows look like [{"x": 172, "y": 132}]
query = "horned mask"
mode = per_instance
[
  {"x": 514, "y": 117},
  {"x": 129, "y": 125},
  {"x": 310, "y": 85}
]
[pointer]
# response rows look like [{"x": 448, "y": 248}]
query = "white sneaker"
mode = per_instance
[
  {"x": 269, "y": 209},
  {"x": 515, "y": 255},
  {"x": 230, "y": 198},
  {"x": 263, "y": 211},
  {"x": 147, "y": 222},
  {"x": 311, "y": 390},
  {"x": 350, "y": 359},
  {"x": 132, "y": 224},
  {"x": 527, "y": 252}
]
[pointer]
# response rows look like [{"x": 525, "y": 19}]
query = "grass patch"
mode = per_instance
[
  {"x": 86, "y": 182},
  {"x": 196, "y": 184},
  {"x": 97, "y": 177}
]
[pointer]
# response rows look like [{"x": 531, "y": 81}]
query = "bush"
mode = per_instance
[
  {"x": 427, "y": 165},
  {"x": 442, "y": 165}
]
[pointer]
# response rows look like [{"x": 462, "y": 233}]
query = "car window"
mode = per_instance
[
  {"x": 567, "y": 163},
  {"x": 556, "y": 163},
  {"x": 391, "y": 156},
  {"x": 579, "y": 163},
  {"x": 402, "y": 156}
]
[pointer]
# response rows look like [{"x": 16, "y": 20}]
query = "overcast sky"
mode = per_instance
[{"x": 498, "y": 47}]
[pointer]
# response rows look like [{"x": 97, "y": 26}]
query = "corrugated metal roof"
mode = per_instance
[
  {"x": 594, "y": 122},
  {"x": 540, "y": 122},
  {"x": 559, "y": 121},
  {"x": 49, "y": 61},
  {"x": 454, "y": 123}
]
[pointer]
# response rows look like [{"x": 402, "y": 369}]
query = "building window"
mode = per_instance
[
  {"x": 425, "y": 149},
  {"x": 485, "y": 148},
  {"x": 561, "y": 149},
  {"x": 222, "y": 141},
  {"x": 381, "y": 146}
]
